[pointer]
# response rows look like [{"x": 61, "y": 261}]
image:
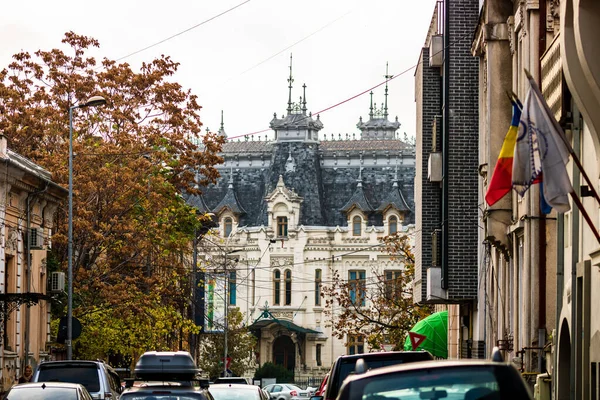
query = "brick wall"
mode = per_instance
[{"x": 463, "y": 152}]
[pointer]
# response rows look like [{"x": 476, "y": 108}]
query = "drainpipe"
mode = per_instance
[
  {"x": 542, "y": 225},
  {"x": 575, "y": 253},
  {"x": 445, "y": 143}
]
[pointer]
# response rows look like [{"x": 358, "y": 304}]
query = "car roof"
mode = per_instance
[
  {"x": 69, "y": 362},
  {"x": 232, "y": 385},
  {"x": 435, "y": 364},
  {"x": 49, "y": 384},
  {"x": 383, "y": 354}
]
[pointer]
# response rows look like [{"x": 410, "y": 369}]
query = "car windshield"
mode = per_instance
[
  {"x": 234, "y": 393},
  {"x": 86, "y": 375},
  {"x": 48, "y": 393},
  {"x": 457, "y": 383}
]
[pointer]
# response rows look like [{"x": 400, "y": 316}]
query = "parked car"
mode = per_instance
[
  {"x": 448, "y": 380},
  {"x": 165, "y": 375},
  {"x": 48, "y": 390},
  {"x": 286, "y": 391},
  {"x": 233, "y": 391},
  {"x": 345, "y": 365},
  {"x": 322, "y": 387},
  {"x": 100, "y": 379}
]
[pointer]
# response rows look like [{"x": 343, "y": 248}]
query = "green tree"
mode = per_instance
[
  {"x": 388, "y": 312},
  {"x": 240, "y": 347},
  {"x": 133, "y": 158}
]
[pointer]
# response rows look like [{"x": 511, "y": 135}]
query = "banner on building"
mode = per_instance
[{"x": 215, "y": 303}]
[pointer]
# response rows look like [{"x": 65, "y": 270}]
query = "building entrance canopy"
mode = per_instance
[{"x": 267, "y": 319}]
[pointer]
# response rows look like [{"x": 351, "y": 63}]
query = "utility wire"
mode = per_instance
[
  {"x": 359, "y": 94},
  {"x": 184, "y": 31}
]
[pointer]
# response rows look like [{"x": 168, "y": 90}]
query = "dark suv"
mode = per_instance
[
  {"x": 346, "y": 365},
  {"x": 443, "y": 379},
  {"x": 99, "y": 378}
]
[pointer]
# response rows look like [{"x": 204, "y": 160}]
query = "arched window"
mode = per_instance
[
  {"x": 393, "y": 225},
  {"x": 276, "y": 287},
  {"x": 228, "y": 227},
  {"x": 282, "y": 227},
  {"x": 356, "y": 229},
  {"x": 288, "y": 287}
]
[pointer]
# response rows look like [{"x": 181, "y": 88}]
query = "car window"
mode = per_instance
[
  {"x": 85, "y": 375},
  {"x": 276, "y": 388},
  {"x": 443, "y": 383},
  {"x": 48, "y": 393}
]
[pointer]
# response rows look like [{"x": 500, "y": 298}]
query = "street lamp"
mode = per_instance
[{"x": 93, "y": 101}]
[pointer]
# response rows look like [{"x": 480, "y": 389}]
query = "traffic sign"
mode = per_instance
[{"x": 416, "y": 339}]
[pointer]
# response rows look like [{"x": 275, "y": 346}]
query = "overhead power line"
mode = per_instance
[{"x": 184, "y": 31}]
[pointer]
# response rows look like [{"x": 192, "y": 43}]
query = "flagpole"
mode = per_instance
[
  {"x": 577, "y": 201},
  {"x": 564, "y": 139}
]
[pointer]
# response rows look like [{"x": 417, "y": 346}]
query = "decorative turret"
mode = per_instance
[
  {"x": 297, "y": 125},
  {"x": 230, "y": 201},
  {"x": 394, "y": 199},
  {"x": 378, "y": 126},
  {"x": 359, "y": 199}
]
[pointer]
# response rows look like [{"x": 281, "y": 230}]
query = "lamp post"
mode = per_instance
[{"x": 93, "y": 101}]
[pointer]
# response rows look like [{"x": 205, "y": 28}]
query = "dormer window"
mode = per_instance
[
  {"x": 393, "y": 225},
  {"x": 228, "y": 222},
  {"x": 282, "y": 227},
  {"x": 356, "y": 226}
]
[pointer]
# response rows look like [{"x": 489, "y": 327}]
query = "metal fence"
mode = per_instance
[{"x": 313, "y": 381}]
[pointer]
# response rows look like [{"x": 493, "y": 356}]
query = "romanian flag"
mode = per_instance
[{"x": 501, "y": 182}]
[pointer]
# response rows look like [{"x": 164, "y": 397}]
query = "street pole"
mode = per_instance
[
  {"x": 226, "y": 324},
  {"x": 70, "y": 243},
  {"x": 93, "y": 101},
  {"x": 194, "y": 289}
]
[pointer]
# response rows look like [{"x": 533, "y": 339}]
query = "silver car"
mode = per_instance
[{"x": 286, "y": 391}]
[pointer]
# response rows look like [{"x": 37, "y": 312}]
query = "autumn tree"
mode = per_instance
[
  {"x": 379, "y": 308},
  {"x": 240, "y": 347},
  {"x": 133, "y": 160}
]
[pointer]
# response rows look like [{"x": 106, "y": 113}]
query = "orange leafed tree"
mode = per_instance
[
  {"x": 378, "y": 307},
  {"x": 134, "y": 158}
]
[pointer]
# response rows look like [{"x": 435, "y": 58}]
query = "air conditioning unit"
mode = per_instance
[
  {"x": 436, "y": 51},
  {"x": 36, "y": 239},
  {"x": 57, "y": 282}
]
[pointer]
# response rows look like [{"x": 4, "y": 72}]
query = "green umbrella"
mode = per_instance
[{"x": 435, "y": 329}]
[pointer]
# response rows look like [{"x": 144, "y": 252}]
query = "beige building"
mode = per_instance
[
  {"x": 277, "y": 273},
  {"x": 537, "y": 292},
  {"x": 28, "y": 201}
]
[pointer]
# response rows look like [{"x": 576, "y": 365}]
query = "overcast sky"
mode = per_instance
[{"x": 238, "y": 62}]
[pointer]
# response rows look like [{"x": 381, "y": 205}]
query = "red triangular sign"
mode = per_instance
[{"x": 416, "y": 339}]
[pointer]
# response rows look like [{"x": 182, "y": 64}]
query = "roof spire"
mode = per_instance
[
  {"x": 304, "y": 98},
  {"x": 222, "y": 128},
  {"x": 395, "y": 181},
  {"x": 371, "y": 108},
  {"x": 290, "y": 81},
  {"x": 230, "y": 178},
  {"x": 387, "y": 77}
]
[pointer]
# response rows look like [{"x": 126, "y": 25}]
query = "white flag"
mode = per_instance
[{"x": 541, "y": 153}]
